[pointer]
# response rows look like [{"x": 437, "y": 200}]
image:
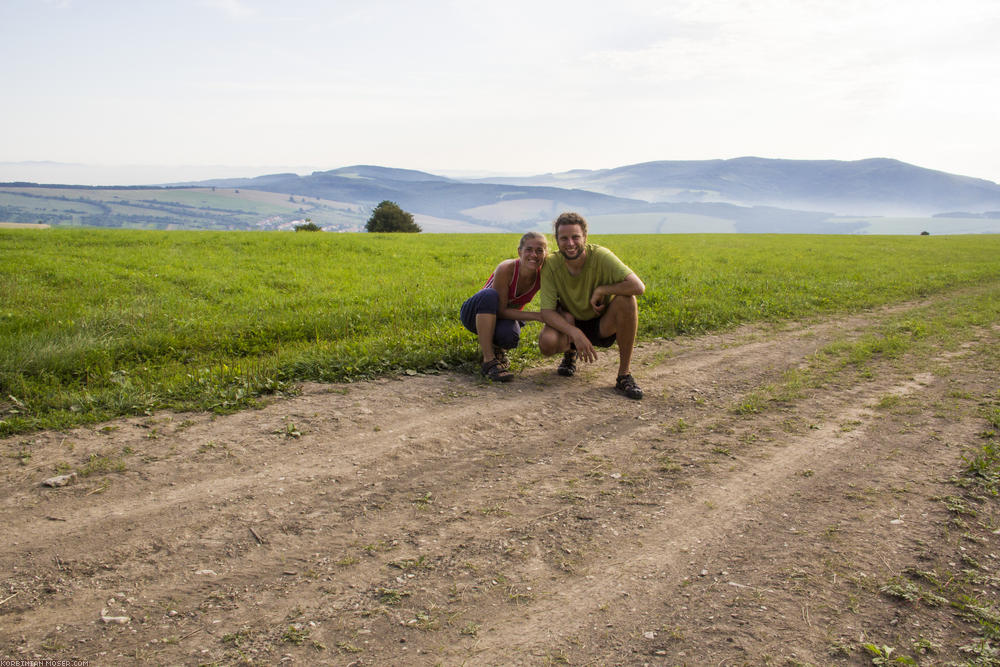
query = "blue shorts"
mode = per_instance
[{"x": 487, "y": 300}]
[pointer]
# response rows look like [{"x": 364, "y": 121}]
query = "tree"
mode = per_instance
[
  {"x": 309, "y": 226},
  {"x": 388, "y": 217}
]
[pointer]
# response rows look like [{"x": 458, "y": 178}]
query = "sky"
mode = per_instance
[{"x": 137, "y": 89}]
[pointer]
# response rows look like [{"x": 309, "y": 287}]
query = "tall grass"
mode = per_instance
[{"x": 95, "y": 324}]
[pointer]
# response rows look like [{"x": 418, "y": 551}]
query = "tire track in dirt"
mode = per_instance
[
  {"x": 536, "y": 508},
  {"x": 649, "y": 565}
]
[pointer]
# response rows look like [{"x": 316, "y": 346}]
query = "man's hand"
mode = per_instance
[
  {"x": 597, "y": 300},
  {"x": 584, "y": 348}
]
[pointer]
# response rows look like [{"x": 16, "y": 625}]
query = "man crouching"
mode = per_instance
[{"x": 587, "y": 299}]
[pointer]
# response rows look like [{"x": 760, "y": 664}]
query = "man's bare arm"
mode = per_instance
[
  {"x": 631, "y": 286},
  {"x": 584, "y": 347}
]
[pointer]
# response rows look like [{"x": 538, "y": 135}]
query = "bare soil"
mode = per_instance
[{"x": 440, "y": 519}]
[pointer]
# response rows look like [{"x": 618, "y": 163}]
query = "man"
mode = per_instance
[{"x": 588, "y": 299}]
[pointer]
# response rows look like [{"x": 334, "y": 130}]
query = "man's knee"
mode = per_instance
[
  {"x": 548, "y": 341},
  {"x": 625, "y": 309},
  {"x": 627, "y": 304}
]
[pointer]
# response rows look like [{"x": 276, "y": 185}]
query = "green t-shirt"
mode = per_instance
[{"x": 601, "y": 267}]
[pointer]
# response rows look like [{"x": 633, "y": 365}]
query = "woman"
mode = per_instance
[{"x": 495, "y": 313}]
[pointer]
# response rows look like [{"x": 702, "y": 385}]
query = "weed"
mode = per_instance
[
  {"x": 377, "y": 547},
  {"x": 101, "y": 463},
  {"x": 290, "y": 431},
  {"x": 425, "y": 620},
  {"x": 957, "y": 505},
  {"x": 984, "y": 467},
  {"x": 390, "y": 596},
  {"x": 348, "y": 647},
  {"x": 751, "y": 404},
  {"x": 494, "y": 510},
  {"x": 978, "y": 612},
  {"x": 910, "y": 592},
  {"x": 888, "y": 402},
  {"x": 666, "y": 465},
  {"x": 407, "y": 564},
  {"x": 679, "y": 426},
  {"x": 985, "y": 653},
  {"x": 23, "y": 456},
  {"x": 470, "y": 630},
  {"x": 295, "y": 634},
  {"x": 882, "y": 655}
]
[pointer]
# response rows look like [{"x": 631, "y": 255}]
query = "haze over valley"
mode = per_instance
[{"x": 743, "y": 195}]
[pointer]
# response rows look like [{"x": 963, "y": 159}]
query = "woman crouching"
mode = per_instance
[{"x": 495, "y": 313}]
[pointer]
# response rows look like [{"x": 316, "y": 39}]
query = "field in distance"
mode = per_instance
[
  {"x": 175, "y": 209},
  {"x": 97, "y": 324}
]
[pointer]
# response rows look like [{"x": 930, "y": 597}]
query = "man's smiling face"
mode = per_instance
[{"x": 571, "y": 241}]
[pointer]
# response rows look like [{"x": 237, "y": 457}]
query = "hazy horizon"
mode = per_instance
[
  {"x": 45, "y": 172},
  {"x": 513, "y": 88}
]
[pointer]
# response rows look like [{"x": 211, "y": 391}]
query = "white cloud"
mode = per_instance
[{"x": 237, "y": 9}]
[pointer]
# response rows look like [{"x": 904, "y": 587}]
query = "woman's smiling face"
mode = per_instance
[{"x": 532, "y": 252}]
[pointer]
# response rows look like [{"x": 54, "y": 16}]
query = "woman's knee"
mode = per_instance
[
  {"x": 507, "y": 334},
  {"x": 489, "y": 300}
]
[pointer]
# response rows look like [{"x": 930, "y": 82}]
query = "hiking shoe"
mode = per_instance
[
  {"x": 501, "y": 357},
  {"x": 567, "y": 367},
  {"x": 626, "y": 385},
  {"x": 492, "y": 370}
]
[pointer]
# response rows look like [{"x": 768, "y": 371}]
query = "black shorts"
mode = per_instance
[{"x": 592, "y": 330}]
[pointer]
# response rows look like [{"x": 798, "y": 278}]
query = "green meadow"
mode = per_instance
[{"x": 100, "y": 323}]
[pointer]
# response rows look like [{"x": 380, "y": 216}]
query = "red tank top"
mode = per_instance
[{"x": 515, "y": 300}]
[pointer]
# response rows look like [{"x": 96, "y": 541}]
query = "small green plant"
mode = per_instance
[
  {"x": 925, "y": 646},
  {"x": 494, "y": 510},
  {"x": 390, "y": 596},
  {"x": 984, "y": 652},
  {"x": 751, "y": 404},
  {"x": 470, "y": 630},
  {"x": 679, "y": 426},
  {"x": 910, "y": 592},
  {"x": 407, "y": 564},
  {"x": 348, "y": 647},
  {"x": 295, "y": 634},
  {"x": 100, "y": 463},
  {"x": 882, "y": 655},
  {"x": 984, "y": 467},
  {"x": 290, "y": 431}
]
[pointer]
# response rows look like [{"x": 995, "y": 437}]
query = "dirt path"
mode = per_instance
[{"x": 440, "y": 520}]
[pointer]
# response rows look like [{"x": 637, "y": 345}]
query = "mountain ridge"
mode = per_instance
[{"x": 746, "y": 194}]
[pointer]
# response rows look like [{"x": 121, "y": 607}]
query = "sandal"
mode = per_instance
[
  {"x": 501, "y": 357},
  {"x": 495, "y": 372},
  {"x": 626, "y": 385},
  {"x": 567, "y": 367}
]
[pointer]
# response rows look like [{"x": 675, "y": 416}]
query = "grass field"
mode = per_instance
[{"x": 95, "y": 324}]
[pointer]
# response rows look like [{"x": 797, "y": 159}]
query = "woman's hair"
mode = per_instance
[
  {"x": 532, "y": 235},
  {"x": 569, "y": 219}
]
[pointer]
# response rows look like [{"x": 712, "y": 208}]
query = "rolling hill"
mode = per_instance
[{"x": 748, "y": 195}]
